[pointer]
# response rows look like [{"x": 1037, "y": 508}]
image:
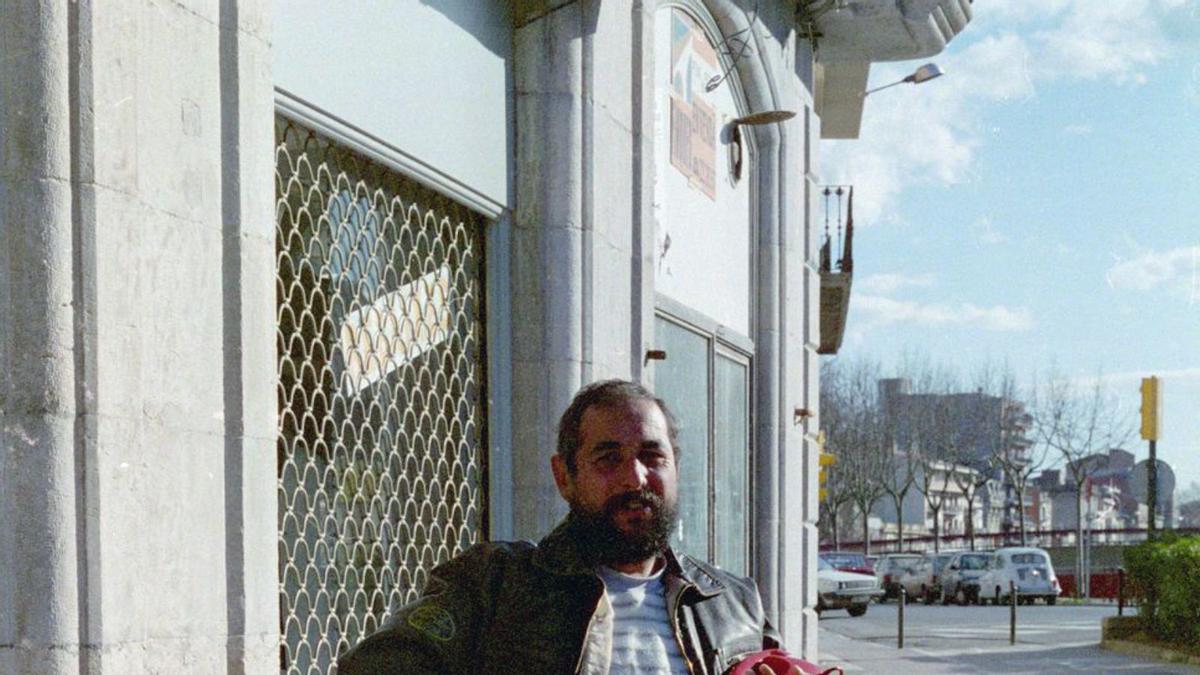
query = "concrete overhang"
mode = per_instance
[
  {"x": 835, "y": 305},
  {"x": 850, "y": 35}
]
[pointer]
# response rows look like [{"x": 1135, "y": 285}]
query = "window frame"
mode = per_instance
[{"x": 727, "y": 343}]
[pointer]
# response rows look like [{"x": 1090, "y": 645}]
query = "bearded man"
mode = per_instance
[{"x": 603, "y": 592}]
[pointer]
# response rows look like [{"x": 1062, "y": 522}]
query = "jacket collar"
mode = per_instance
[{"x": 559, "y": 553}]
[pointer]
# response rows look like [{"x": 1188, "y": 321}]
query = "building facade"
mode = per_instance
[{"x": 292, "y": 294}]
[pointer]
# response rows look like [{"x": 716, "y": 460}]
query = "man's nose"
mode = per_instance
[{"x": 633, "y": 474}]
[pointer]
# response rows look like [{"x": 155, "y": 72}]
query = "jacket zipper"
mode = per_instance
[{"x": 675, "y": 629}]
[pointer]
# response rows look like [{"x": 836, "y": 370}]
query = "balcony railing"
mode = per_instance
[{"x": 836, "y": 275}]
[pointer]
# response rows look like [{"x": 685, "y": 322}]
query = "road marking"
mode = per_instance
[
  {"x": 1002, "y": 630},
  {"x": 1021, "y": 646}
]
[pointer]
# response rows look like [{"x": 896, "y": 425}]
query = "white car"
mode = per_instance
[
  {"x": 1028, "y": 568},
  {"x": 844, "y": 590},
  {"x": 923, "y": 580},
  {"x": 891, "y": 568}
]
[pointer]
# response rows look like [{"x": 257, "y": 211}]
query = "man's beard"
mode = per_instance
[{"x": 602, "y": 541}]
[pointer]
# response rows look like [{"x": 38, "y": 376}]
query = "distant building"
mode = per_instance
[
  {"x": 1110, "y": 495},
  {"x": 1189, "y": 514},
  {"x": 991, "y": 427}
]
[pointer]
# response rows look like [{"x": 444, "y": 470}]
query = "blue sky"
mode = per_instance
[{"x": 1040, "y": 204}]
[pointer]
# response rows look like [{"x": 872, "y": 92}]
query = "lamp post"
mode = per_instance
[{"x": 925, "y": 73}]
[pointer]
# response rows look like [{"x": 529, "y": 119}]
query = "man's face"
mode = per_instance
[{"x": 625, "y": 487}]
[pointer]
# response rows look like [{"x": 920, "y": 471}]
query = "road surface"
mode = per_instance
[{"x": 957, "y": 639}]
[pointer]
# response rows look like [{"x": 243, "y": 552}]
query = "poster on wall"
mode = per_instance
[{"x": 693, "y": 118}]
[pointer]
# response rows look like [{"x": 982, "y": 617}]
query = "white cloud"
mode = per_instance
[
  {"x": 1177, "y": 269},
  {"x": 1078, "y": 130},
  {"x": 925, "y": 135},
  {"x": 880, "y": 310},
  {"x": 1105, "y": 39},
  {"x": 889, "y": 283},
  {"x": 932, "y": 133}
]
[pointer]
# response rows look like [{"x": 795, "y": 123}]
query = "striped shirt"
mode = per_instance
[{"x": 643, "y": 641}]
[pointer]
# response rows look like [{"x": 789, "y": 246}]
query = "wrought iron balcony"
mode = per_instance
[{"x": 836, "y": 275}]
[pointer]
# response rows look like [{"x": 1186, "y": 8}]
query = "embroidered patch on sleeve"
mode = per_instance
[{"x": 433, "y": 621}]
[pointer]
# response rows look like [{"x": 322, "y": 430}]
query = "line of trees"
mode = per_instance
[{"x": 930, "y": 432}]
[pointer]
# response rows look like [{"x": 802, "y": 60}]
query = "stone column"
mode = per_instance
[
  {"x": 582, "y": 176},
  {"x": 248, "y": 340},
  {"x": 44, "y": 386},
  {"x": 137, "y": 483}
]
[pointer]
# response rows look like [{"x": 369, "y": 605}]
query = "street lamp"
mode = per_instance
[{"x": 925, "y": 73}]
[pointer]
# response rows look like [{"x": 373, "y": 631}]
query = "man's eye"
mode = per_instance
[
  {"x": 609, "y": 458},
  {"x": 654, "y": 459}
]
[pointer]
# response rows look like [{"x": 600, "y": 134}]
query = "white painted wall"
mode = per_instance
[
  {"x": 429, "y": 77},
  {"x": 706, "y": 264}
]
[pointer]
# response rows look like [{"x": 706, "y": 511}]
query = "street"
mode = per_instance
[{"x": 973, "y": 639}]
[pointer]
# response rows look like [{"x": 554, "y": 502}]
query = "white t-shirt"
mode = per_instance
[{"x": 642, "y": 638}]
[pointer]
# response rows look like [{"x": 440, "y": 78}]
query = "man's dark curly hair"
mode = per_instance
[{"x": 605, "y": 394}]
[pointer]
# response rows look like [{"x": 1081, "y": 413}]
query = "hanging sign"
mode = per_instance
[{"x": 693, "y": 119}]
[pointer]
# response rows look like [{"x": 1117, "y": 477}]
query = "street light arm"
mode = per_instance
[
  {"x": 872, "y": 91},
  {"x": 925, "y": 73}
]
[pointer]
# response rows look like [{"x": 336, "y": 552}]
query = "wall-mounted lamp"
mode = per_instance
[
  {"x": 764, "y": 117},
  {"x": 735, "y": 135},
  {"x": 925, "y": 73}
]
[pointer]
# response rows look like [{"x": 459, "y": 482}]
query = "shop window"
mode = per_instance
[
  {"x": 705, "y": 379},
  {"x": 381, "y": 446}
]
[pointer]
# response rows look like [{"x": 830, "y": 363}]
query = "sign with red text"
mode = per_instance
[{"x": 693, "y": 118}]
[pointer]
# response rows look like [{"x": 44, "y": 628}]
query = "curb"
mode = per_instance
[{"x": 1149, "y": 652}]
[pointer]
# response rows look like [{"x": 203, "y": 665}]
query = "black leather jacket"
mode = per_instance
[{"x": 520, "y": 608}]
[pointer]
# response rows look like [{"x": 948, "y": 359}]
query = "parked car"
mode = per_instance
[
  {"x": 1028, "y": 568},
  {"x": 890, "y": 570},
  {"x": 960, "y": 577},
  {"x": 849, "y": 562},
  {"x": 844, "y": 590},
  {"x": 924, "y": 581}
]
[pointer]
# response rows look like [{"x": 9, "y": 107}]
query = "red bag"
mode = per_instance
[{"x": 780, "y": 662}]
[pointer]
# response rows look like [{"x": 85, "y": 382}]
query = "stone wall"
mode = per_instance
[{"x": 137, "y": 491}]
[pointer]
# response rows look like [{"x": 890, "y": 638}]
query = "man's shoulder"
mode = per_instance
[
  {"x": 707, "y": 574},
  {"x": 491, "y": 553}
]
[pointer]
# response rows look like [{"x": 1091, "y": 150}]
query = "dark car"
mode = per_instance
[
  {"x": 849, "y": 562},
  {"x": 960, "y": 577}
]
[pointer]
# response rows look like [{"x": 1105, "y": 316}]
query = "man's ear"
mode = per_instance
[{"x": 562, "y": 477}]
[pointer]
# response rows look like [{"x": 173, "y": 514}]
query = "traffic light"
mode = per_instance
[
  {"x": 1151, "y": 407},
  {"x": 825, "y": 460}
]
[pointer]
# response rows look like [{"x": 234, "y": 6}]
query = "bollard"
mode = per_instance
[
  {"x": 900, "y": 620},
  {"x": 1120, "y": 592},
  {"x": 1012, "y": 613}
]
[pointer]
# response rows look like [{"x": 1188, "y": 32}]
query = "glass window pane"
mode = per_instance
[
  {"x": 682, "y": 381},
  {"x": 731, "y": 458}
]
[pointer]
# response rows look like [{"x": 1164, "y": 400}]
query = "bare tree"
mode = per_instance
[
  {"x": 835, "y": 502},
  {"x": 836, "y": 421},
  {"x": 969, "y": 483},
  {"x": 1079, "y": 424},
  {"x": 936, "y": 460},
  {"x": 856, "y": 435},
  {"x": 924, "y": 429},
  {"x": 899, "y": 479},
  {"x": 1006, "y": 426}
]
